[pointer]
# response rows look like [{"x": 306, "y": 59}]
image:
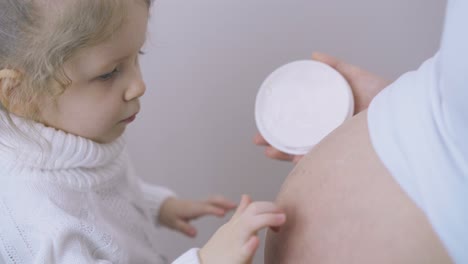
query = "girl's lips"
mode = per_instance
[{"x": 130, "y": 119}]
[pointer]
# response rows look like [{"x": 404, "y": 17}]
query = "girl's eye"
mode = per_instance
[{"x": 109, "y": 75}]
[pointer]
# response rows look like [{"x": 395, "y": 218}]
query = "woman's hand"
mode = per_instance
[
  {"x": 177, "y": 213},
  {"x": 236, "y": 242},
  {"x": 365, "y": 86}
]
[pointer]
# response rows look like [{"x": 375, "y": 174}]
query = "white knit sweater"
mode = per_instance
[{"x": 66, "y": 199}]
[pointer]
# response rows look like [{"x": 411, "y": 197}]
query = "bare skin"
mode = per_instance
[
  {"x": 342, "y": 204},
  {"x": 344, "y": 207}
]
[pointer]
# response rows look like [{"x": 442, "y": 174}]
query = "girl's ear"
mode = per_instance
[{"x": 9, "y": 80}]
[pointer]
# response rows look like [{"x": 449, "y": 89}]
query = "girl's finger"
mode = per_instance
[
  {"x": 209, "y": 209},
  {"x": 257, "y": 208},
  {"x": 264, "y": 220},
  {"x": 185, "y": 228},
  {"x": 222, "y": 202},
  {"x": 244, "y": 203},
  {"x": 200, "y": 209},
  {"x": 250, "y": 247}
]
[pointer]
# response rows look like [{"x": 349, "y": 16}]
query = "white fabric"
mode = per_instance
[
  {"x": 190, "y": 257},
  {"x": 66, "y": 199},
  {"x": 418, "y": 127}
]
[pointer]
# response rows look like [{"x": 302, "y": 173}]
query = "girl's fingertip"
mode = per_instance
[
  {"x": 275, "y": 229},
  {"x": 228, "y": 206},
  {"x": 220, "y": 213},
  {"x": 251, "y": 245},
  {"x": 280, "y": 218}
]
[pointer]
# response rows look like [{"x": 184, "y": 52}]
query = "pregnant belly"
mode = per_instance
[{"x": 343, "y": 206}]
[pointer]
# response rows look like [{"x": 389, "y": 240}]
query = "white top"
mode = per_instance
[
  {"x": 419, "y": 127},
  {"x": 70, "y": 200},
  {"x": 300, "y": 103}
]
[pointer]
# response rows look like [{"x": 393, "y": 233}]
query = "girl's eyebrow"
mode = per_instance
[
  {"x": 102, "y": 67},
  {"x": 121, "y": 58}
]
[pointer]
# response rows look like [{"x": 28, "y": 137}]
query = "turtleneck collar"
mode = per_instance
[{"x": 31, "y": 144}]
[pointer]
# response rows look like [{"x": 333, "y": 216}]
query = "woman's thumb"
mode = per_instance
[{"x": 344, "y": 68}]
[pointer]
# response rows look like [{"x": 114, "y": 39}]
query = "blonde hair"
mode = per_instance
[{"x": 37, "y": 42}]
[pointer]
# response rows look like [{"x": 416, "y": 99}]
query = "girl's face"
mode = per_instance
[{"x": 106, "y": 84}]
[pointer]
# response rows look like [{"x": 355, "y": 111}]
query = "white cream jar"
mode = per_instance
[{"x": 300, "y": 103}]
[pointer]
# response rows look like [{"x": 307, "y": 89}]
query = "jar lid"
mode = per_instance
[{"x": 300, "y": 103}]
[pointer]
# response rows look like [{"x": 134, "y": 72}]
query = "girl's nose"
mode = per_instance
[{"x": 136, "y": 89}]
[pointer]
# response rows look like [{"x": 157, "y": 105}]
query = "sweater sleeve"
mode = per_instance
[
  {"x": 189, "y": 257},
  {"x": 154, "y": 196}
]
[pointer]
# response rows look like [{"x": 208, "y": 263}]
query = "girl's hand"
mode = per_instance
[
  {"x": 177, "y": 214},
  {"x": 365, "y": 86},
  {"x": 236, "y": 242}
]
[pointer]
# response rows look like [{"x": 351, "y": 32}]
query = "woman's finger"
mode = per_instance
[
  {"x": 297, "y": 158},
  {"x": 259, "y": 140},
  {"x": 279, "y": 155}
]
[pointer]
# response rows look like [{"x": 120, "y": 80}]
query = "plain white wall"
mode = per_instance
[{"x": 205, "y": 61}]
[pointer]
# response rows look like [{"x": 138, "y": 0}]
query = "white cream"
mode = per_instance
[{"x": 300, "y": 103}]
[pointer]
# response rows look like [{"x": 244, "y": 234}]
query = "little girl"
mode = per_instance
[{"x": 69, "y": 85}]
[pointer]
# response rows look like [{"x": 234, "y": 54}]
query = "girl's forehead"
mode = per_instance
[
  {"x": 124, "y": 43},
  {"x": 84, "y": 16}
]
